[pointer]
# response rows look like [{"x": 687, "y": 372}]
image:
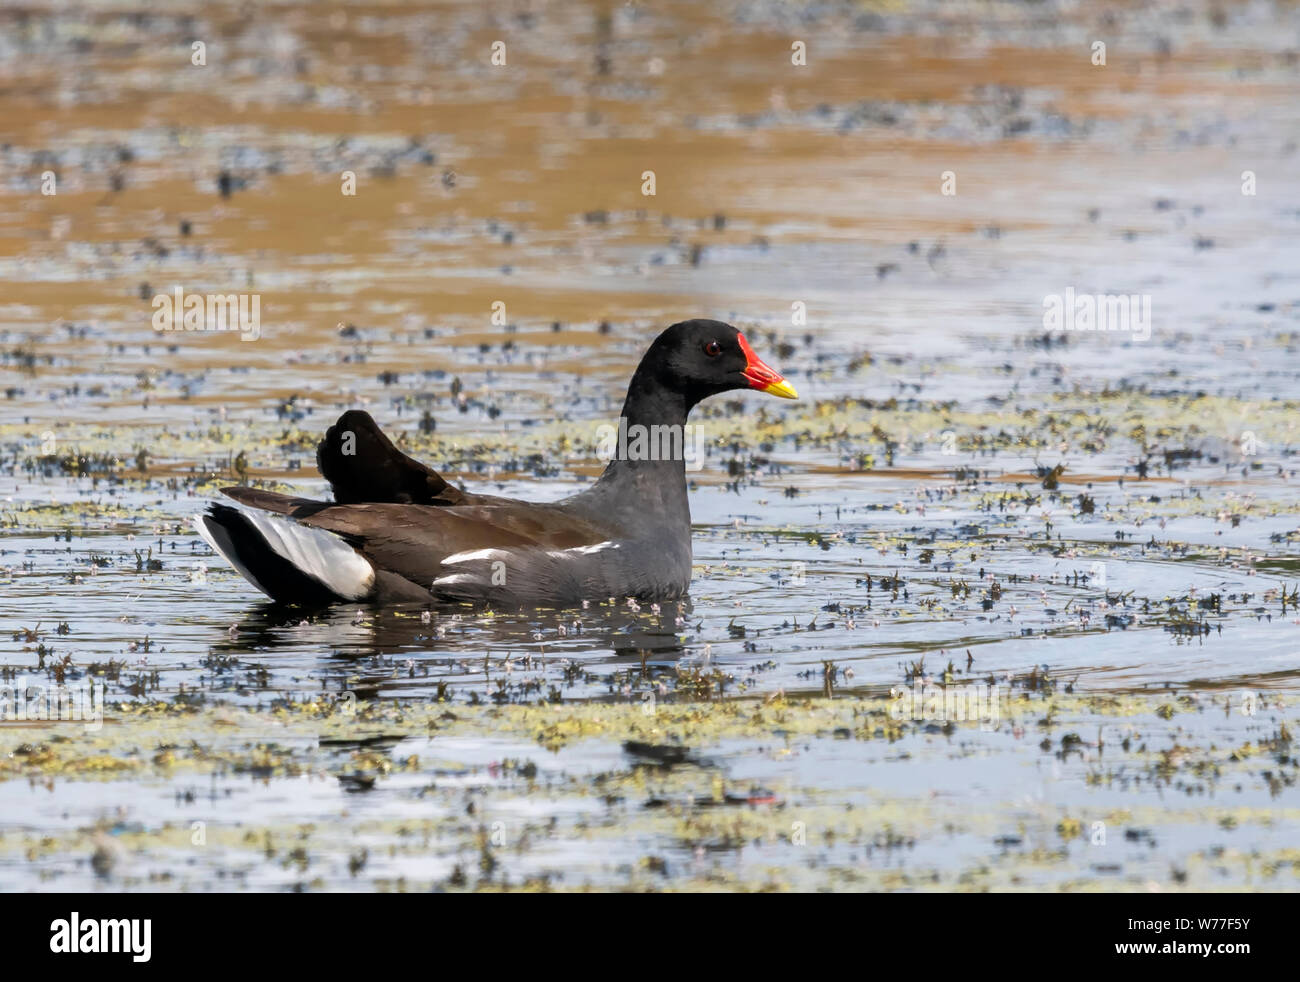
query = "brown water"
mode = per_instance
[{"x": 897, "y": 519}]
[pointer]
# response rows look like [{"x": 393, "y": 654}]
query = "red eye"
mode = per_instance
[{"x": 713, "y": 349}]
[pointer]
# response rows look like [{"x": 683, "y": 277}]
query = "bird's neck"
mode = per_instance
[
  {"x": 647, "y": 470},
  {"x": 648, "y": 403}
]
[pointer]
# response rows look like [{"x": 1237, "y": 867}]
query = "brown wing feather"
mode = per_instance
[
  {"x": 281, "y": 504},
  {"x": 413, "y": 541}
]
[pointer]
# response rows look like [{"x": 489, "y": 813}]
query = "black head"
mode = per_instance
[{"x": 700, "y": 358}]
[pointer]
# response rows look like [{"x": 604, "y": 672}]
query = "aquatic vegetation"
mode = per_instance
[{"x": 644, "y": 801}]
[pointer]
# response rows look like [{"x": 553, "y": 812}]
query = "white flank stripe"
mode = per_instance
[
  {"x": 455, "y": 578},
  {"x": 584, "y": 550},
  {"x": 469, "y": 557}
]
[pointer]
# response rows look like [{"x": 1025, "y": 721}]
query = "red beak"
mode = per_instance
[{"x": 762, "y": 376}]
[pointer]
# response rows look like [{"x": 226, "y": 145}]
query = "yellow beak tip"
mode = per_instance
[{"x": 783, "y": 389}]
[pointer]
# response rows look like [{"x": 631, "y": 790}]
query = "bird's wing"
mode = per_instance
[
  {"x": 273, "y": 501},
  {"x": 362, "y": 465},
  {"x": 413, "y": 541}
]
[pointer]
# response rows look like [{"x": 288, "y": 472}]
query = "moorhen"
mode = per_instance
[{"x": 397, "y": 532}]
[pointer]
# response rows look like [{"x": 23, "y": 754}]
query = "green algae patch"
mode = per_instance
[
  {"x": 162, "y": 733},
  {"x": 397, "y": 795}
]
